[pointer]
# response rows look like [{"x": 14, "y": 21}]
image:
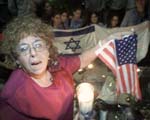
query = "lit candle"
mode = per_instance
[{"x": 85, "y": 96}]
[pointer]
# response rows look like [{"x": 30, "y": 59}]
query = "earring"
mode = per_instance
[
  {"x": 52, "y": 62},
  {"x": 18, "y": 64},
  {"x": 55, "y": 63}
]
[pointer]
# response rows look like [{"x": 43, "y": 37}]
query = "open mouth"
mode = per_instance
[{"x": 36, "y": 63}]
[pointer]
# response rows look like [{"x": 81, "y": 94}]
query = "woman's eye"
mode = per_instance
[
  {"x": 38, "y": 45},
  {"x": 23, "y": 48}
]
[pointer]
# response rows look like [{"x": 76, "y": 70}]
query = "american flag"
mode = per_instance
[{"x": 120, "y": 56}]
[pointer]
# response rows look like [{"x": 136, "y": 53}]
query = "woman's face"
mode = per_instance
[
  {"x": 114, "y": 21},
  {"x": 33, "y": 55},
  {"x": 77, "y": 14},
  {"x": 57, "y": 19},
  {"x": 94, "y": 18},
  {"x": 64, "y": 16}
]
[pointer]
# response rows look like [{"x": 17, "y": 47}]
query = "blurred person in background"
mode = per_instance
[
  {"x": 135, "y": 15},
  {"x": 76, "y": 21},
  {"x": 65, "y": 19},
  {"x": 43, "y": 10},
  {"x": 113, "y": 21},
  {"x": 93, "y": 18},
  {"x": 56, "y": 20}
]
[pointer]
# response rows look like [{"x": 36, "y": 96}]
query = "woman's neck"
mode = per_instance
[{"x": 44, "y": 80}]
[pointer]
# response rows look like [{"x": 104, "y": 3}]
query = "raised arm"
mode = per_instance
[{"x": 88, "y": 56}]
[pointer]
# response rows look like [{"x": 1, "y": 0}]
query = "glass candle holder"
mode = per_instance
[{"x": 85, "y": 96}]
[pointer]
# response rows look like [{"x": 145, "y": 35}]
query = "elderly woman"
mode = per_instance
[{"x": 42, "y": 86}]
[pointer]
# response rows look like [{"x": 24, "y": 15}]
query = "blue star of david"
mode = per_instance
[{"x": 72, "y": 44}]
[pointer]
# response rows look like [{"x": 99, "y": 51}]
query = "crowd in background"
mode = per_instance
[
  {"x": 79, "y": 17},
  {"x": 120, "y": 13}
]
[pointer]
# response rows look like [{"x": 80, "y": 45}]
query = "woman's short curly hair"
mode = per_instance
[{"x": 22, "y": 27}]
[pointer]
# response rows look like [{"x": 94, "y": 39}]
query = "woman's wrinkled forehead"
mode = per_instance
[
  {"x": 30, "y": 38},
  {"x": 33, "y": 37}
]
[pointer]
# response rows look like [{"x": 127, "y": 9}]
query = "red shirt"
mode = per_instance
[{"x": 28, "y": 100}]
